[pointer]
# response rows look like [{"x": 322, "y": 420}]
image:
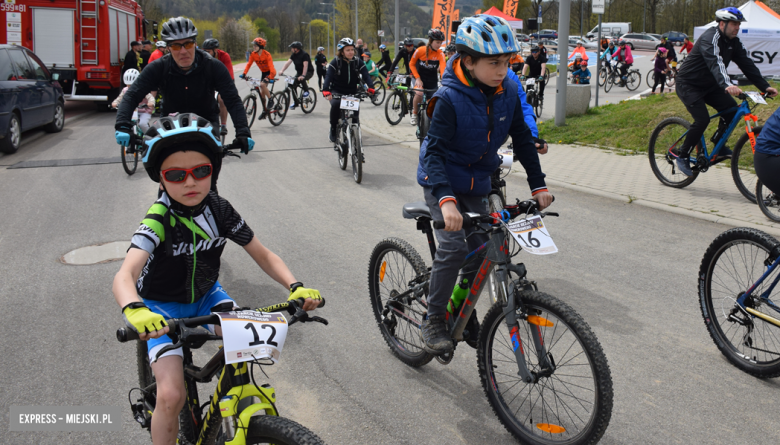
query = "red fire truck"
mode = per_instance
[{"x": 84, "y": 41}]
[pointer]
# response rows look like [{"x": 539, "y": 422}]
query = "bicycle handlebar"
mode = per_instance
[
  {"x": 293, "y": 307},
  {"x": 509, "y": 213}
]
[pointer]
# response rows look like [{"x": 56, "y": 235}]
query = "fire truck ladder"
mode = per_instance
[{"x": 89, "y": 16}]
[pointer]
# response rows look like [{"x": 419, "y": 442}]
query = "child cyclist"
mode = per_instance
[
  {"x": 143, "y": 113},
  {"x": 172, "y": 267},
  {"x": 582, "y": 75},
  {"x": 346, "y": 73},
  {"x": 427, "y": 62},
  {"x": 471, "y": 115}
]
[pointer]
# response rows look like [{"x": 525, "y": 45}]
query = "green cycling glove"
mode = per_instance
[
  {"x": 139, "y": 318},
  {"x": 298, "y": 291}
]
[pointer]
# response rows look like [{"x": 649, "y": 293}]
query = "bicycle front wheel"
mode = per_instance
[
  {"x": 670, "y": 79},
  {"x": 129, "y": 160},
  {"x": 250, "y": 108},
  {"x": 742, "y": 166},
  {"x": 668, "y": 135},
  {"x": 379, "y": 93},
  {"x": 356, "y": 145},
  {"x": 278, "y": 110},
  {"x": 278, "y": 430},
  {"x": 633, "y": 80},
  {"x": 538, "y": 106},
  {"x": 343, "y": 146},
  {"x": 608, "y": 84},
  {"x": 602, "y": 77},
  {"x": 394, "y": 108},
  {"x": 768, "y": 202},
  {"x": 309, "y": 102},
  {"x": 424, "y": 125},
  {"x": 650, "y": 78},
  {"x": 570, "y": 403},
  {"x": 734, "y": 261},
  {"x": 393, "y": 264}
]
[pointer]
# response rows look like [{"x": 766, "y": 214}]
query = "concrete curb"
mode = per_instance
[{"x": 615, "y": 196}]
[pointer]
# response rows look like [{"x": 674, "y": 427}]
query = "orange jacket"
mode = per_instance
[
  {"x": 264, "y": 61},
  {"x": 580, "y": 50},
  {"x": 429, "y": 59},
  {"x": 517, "y": 58}
]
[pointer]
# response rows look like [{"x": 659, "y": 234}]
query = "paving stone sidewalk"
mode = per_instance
[{"x": 712, "y": 197}]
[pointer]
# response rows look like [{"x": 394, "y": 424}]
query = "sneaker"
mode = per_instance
[
  {"x": 223, "y": 130},
  {"x": 433, "y": 332},
  {"x": 683, "y": 166},
  {"x": 305, "y": 94},
  {"x": 724, "y": 153},
  {"x": 332, "y": 135},
  {"x": 413, "y": 119},
  {"x": 270, "y": 102},
  {"x": 292, "y": 107},
  {"x": 262, "y": 116}
]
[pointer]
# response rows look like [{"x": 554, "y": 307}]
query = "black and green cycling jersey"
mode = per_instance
[{"x": 184, "y": 268}]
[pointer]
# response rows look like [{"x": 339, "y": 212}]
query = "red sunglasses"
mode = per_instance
[{"x": 177, "y": 175}]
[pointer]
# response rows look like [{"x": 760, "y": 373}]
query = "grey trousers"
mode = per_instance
[{"x": 452, "y": 250}]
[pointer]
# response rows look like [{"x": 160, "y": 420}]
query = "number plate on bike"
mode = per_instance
[
  {"x": 250, "y": 335},
  {"x": 530, "y": 82},
  {"x": 400, "y": 79},
  {"x": 532, "y": 236},
  {"x": 350, "y": 103},
  {"x": 756, "y": 97},
  {"x": 256, "y": 83},
  {"x": 291, "y": 80}
]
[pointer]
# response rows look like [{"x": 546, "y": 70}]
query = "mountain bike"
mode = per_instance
[
  {"x": 275, "y": 110},
  {"x": 239, "y": 411},
  {"x": 768, "y": 202},
  {"x": 607, "y": 67},
  {"x": 307, "y": 102},
  {"x": 532, "y": 95},
  {"x": 737, "y": 281},
  {"x": 671, "y": 132},
  {"x": 349, "y": 138},
  {"x": 135, "y": 149},
  {"x": 542, "y": 369},
  {"x": 397, "y": 105},
  {"x": 633, "y": 79}
]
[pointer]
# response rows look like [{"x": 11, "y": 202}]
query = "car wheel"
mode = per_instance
[
  {"x": 13, "y": 136},
  {"x": 631, "y": 45},
  {"x": 55, "y": 126}
]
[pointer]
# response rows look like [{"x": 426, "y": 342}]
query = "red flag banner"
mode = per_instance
[
  {"x": 510, "y": 7},
  {"x": 441, "y": 13}
]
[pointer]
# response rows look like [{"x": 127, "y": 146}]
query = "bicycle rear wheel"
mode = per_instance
[
  {"x": 278, "y": 430},
  {"x": 278, "y": 111},
  {"x": 633, "y": 80},
  {"x": 379, "y": 93},
  {"x": 734, "y": 261},
  {"x": 250, "y": 108},
  {"x": 393, "y": 264},
  {"x": 742, "y": 166},
  {"x": 308, "y": 103},
  {"x": 768, "y": 202},
  {"x": 572, "y": 403},
  {"x": 129, "y": 160},
  {"x": 357, "y": 153},
  {"x": 650, "y": 78},
  {"x": 667, "y": 135},
  {"x": 394, "y": 108}
]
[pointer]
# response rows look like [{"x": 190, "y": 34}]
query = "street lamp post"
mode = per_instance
[
  {"x": 328, "y": 16},
  {"x": 308, "y": 23},
  {"x": 333, "y": 5}
]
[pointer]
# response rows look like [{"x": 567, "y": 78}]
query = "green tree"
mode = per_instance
[
  {"x": 487, "y": 4},
  {"x": 265, "y": 31},
  {"x": 319, "y": 33}
]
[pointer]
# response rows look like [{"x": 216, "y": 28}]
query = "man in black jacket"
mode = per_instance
[
  {"x": 703, "y": 81},
  {"x": 404, "y": 54},
  {"x": 187, "y": 78},
  {"x": 146, "y": 52}
]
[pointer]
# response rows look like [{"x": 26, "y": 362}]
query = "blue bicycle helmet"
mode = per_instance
[
  {"x": 729, "y": 14},
  {"x": 183, "y": 131},
  {"x": 382, "y": 46},
  {"x": 486, "y": 35}
]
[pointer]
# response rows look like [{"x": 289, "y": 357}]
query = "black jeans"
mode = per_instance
[
  {"x": 335, "y": 113},
  {"x": 302, "y": 84},
  {"x": 320, "y": 76},
  {"x": 696, "y": 102},
  {"x": 660, "y": 79}
]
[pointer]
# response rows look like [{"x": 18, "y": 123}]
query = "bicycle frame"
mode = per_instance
[{"x": 764, "y": 296}]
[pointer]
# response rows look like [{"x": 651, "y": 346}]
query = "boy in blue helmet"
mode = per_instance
[
  {"x": 172, "y": 267},
  {"x": 470, "y": 117}
]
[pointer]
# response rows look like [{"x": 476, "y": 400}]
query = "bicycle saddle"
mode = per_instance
[{"x": 414, "y": 210}]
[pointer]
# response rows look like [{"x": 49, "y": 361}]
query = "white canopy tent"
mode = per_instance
[{"x": 760, "y": 34}]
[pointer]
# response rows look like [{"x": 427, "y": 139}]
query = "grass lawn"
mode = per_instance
[{"x": 628, "y": 125}]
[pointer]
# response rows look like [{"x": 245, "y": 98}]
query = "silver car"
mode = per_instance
[{"x": 638, "y": 40}]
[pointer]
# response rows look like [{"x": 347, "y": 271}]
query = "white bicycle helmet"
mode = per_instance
[
  {"x": 160, "y": 44},
  {"x": 346, "y": 41},
  {"x": 130, "y": 76},
  {"x": 730, "y": 14}
]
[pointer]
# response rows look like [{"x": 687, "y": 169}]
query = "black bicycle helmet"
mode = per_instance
[
  {"x": 408, "y": 41},
  {"x": 178, "y": 28},
  {"x": 298, "y": 45},
  {"x": 451, "y": 48},
  {"x": 185, "y": 130},
  {"x": 435, "y": 34},
  {"x": 211, "y": 44}
]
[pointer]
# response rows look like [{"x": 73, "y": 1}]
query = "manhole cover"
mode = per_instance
[{"x": 102, "y": 253}]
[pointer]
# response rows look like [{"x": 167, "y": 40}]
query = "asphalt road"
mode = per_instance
[{"x": 630, "y": 271}]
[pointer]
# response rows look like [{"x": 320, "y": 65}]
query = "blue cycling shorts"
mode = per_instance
[{"x": 215, "y": 296}]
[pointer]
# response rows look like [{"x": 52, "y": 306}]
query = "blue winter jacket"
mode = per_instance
[
  {"x": 768, "y": 141},
  {"x": 459, "y": 154}
]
